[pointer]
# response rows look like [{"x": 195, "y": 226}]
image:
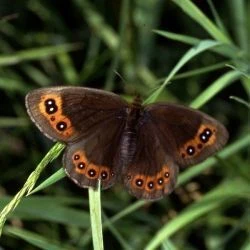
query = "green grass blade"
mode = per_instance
[
  {"x": 37, "y": 53},
  {"x": 117, "y": 234},
  {"x": 201, "y": 47},
  {"x": 240, "y": 100},
  {"x": 97, "y": 23},
  {"x": 7, "y": 122},
  {"x": 201, "y": 70},
  {"x": 96, "y": 216},
  {"x": 178, "y": 37},
  {"x": 109, "y": 84},
  {"x": 240, "y": 17},
  {"x": 217, "y": 17},
  {"x": 35, "y": 239},
  {"x": 128, "y": 210},
  {"x": 243, "y": 68},
  {"x": 196, "y": 14},
  {"x": 36, "y": 75},
  {"x": 29, "y": 184},
  {"x": 215, "y": 88},
  {"x": 34, "y": 200},
  {"x": 227, "y": 50},
  {"x": 58, "y": 210},
  {"x": 58, "y": 175},
  {"x": 54, "y": 152},
  {"x": 13, "y": 85},
  {"x": 226, "y": 192},
  {"x": 243, "y": 71},
  {"x": 125, "y": 212},
  {"x": 168, "y": 245},
  {"x": 68, "y": 69},
  {"x": 246, "y": 245}
]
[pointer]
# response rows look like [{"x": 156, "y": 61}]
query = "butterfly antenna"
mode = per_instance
[
  {"x": 120, "y": 76},
  {"x": 137, "y": 101}
]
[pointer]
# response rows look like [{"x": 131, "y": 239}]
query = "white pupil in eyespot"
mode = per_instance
[{"x": 203, "y": 137}]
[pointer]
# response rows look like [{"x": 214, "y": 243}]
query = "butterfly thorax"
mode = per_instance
[{"x": 129, "y": 136}]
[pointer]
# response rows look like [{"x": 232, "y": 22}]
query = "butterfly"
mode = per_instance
[{"x": 110, "y": 140}]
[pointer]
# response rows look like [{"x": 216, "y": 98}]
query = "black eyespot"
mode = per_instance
[
  {"x": 199, "y": 146},
  {"x": 81, "y": 165},
  {"x": 92, "y": 173},
  {"x": 204, "y": 138},
  {"x": 104, "y": 175},
  {"x": 183, "y": 155},
  {"x": 150, "y": 185},
  {"x": 190, "y": 150},
  {"x": 61, "y": 126},
  {"x": 50, "y": 106},
  {"x": 50, "y": 101},
  {"x": 166, "y": 175},
  {"x": 205, "y": 135},
  {"x": 139, "y": 182},
  {"x": 208, "y": 132},
  {"x": 76, "y": 157},
  {"x": 160, "y": 181}
]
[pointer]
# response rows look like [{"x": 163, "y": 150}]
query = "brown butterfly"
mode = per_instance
[{"x": 110, "y": 139}]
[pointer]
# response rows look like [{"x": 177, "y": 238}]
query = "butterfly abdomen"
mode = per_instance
[
  {"x": 128, "y": 147},
  {"x": 129, "y": 136}
]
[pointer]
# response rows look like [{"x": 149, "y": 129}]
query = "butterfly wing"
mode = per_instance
[
  {"x": 188, "y": 135},
  {"x": 68, "y": 113},
  {"x": 89, "y": 121},
  {"x": 153, "y": 173}
]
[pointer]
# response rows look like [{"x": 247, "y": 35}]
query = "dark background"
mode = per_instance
[{"x": 31, "y": 33}]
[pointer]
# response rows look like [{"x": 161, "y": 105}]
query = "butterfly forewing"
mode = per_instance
[
  {"x": 188, "y": 135},
  {"x": 69, "y": 113}
]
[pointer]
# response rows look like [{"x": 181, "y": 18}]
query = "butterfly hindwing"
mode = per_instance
[
  {"x": 95, "y": 157},
  {"x": 152, "y": 173}
]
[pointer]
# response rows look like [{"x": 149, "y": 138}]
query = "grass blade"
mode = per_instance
[
  {"x": 225, "y": 50},
  {"x": 194, "y": 51},
  {"x": 196, "y": 14},
  {"x": 98, "y": 24},
  {"x": 96, "y": 217},
  {"x": 35, "y": 239},
  {"x": 215, "y": 88},
  {"x": 226, "y": 192},
  {"x": 29, "y": 184},
  {"x": 58, "y": 175},
  {"x": 240, "y": 100},
  {"x": 37, "y": 53}
]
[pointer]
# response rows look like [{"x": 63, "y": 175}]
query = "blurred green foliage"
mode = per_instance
[{"x": 192, "y": 52}]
